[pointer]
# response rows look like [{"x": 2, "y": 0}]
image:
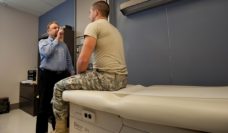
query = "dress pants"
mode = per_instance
[{"x": 46, "y": 84}]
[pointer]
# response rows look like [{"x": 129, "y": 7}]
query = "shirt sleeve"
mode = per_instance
[
  {"x": 46, "y": 47},
  {"x": 91, "y": 30}
]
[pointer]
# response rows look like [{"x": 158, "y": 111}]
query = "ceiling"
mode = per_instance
[{"x": 34, "y": 7}]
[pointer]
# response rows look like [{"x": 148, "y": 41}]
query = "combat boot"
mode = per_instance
[{"x": 61, "y": 126}]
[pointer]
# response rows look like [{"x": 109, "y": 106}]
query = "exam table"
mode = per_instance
[{"x": 153, "y": 109}]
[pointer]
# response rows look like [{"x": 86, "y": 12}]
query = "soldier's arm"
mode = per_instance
[{"x": 85, "y": 54}]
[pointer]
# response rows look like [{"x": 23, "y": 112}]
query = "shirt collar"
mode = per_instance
[{"x": 50, "y": 38}]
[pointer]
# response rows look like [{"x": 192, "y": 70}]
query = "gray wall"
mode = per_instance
[
  {"x": 18, "y": 50},
  {"x": 82, "y": 15},
  {"x": 185, "y": 42}
]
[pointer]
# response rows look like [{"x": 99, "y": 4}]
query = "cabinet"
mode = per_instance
[
  {"x": 28, "y": 101},
  {"x": 69, "y": 40}
]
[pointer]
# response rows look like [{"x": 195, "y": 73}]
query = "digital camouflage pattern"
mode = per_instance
[{"x": 91, "y": 80}]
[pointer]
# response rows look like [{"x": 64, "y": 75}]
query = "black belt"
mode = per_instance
[
  {"x": 100, "y": 71},
  {"x": 51, "y": 71}
]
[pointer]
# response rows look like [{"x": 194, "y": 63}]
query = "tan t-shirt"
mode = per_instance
[{"x": 109, "y": 50}]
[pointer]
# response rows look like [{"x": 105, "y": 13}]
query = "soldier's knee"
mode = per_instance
[{"x": 59, "y": 85}]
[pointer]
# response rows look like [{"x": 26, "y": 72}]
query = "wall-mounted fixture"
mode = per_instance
[{"x": 133, "y": 6}]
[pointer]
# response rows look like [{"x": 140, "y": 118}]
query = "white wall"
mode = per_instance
[
  {"x": 82, "y": 15},
  {"x": 18, "y": 50}
]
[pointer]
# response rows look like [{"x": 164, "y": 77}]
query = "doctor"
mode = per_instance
[
  {"x": 55, "y": 64},
  {"x": 110, "y": 71}
]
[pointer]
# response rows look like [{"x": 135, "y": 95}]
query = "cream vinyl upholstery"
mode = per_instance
[{"x": 189, "y": 107}]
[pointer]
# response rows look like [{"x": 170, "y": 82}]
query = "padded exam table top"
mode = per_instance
[{"x": 190, "y": 107}]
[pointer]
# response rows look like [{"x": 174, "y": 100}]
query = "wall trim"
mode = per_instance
[{"x": 14, "y": 106}]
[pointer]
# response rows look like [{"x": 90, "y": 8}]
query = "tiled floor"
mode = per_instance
[{"x": 17, "y": 121}]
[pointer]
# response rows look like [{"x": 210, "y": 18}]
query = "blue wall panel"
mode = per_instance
[
  {"x": 184, "y": 42},
  {"x": 63, "y": 13}
]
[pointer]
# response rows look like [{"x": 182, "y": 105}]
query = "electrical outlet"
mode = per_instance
[{"x": 88, "y": 116}]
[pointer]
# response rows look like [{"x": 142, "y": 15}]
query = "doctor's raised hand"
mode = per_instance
[{"x": 60, "y": 35}]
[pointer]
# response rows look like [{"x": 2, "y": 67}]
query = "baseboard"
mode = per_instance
[{"x": 14, "y": 106}]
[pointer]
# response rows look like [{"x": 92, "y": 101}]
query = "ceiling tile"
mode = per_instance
[{"x": 35, "y": 7}]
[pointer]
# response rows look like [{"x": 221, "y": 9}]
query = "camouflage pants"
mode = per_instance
[{"x": 91, "y": 80}]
